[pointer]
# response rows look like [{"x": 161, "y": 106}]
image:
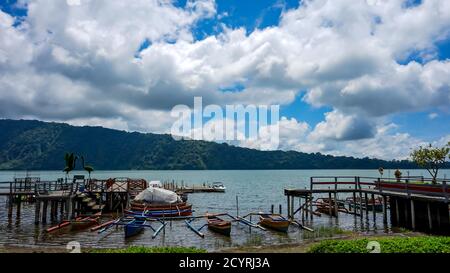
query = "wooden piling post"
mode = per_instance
[
  {"x": 384, "y": 209},
  {"x": 10, "y": 205},
  {"x": 366, "y": 203},
  {"x": 354, "y": 202},
  {"x": 360, "y": 198},
  {"x": 307, "y": 206},
  {"x": 37, "y": 212},
  {"x": 413, "y": 215},
  {"x": 336, "y": 206},
  {"x": 311, "y": 206},
  {"x": 281, "y": 210},
  {"x": 430, "y": 217},
  {"x": 237, "y": 205},
  {"x": 329, "y": 204},
  {"x": 288, "y": 204},
  {"x": 271, "y": 208},
  {"x": 44, "y": 211},
  {"x": 62, "y": 209},
  {"x": 299, "y": 206},
  {"x": 68, "y": 205},
  {"x": 19, "y": 203},
  {"x": 292, "y": 208},
  {"x": 374, "y": 213},
  {"x": 52, "y": 211},
  {"x": 72, "y": 211},
  {"x": 397, "y": 211}
]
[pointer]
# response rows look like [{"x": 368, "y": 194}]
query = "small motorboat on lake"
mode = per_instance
[{"x": 218, "y": 187}]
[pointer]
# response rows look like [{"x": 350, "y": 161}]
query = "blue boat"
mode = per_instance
[
  {"x": 134, "y": 227},
  {"x": 160, "y": 213}
]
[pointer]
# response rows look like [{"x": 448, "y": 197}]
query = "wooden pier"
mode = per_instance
[
  {"x": 63, "y": 199},
  {"x": 184, "y": 188},
  {"x": 413, "y": 202}
]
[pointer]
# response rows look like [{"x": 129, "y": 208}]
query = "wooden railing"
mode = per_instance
[{"x": 408, "y": 185}]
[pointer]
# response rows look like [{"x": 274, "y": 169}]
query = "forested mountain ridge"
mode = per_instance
[{"x": 37, "y": 145}]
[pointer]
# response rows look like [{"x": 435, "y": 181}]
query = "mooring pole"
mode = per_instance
[
  {"x": 430, "y": 219},
  {"x": 288, "y": 203},
  {"x": 292, "y": 208},
  {"x": 44, "y": 212},
  {"x": 374, "y": 213},
  {"x": 37, "y": 212},
  {"x": 237, "y": 205},
  {"x": 413, "y": 215}
]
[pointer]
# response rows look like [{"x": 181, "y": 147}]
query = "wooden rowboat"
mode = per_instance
[
  {"x": 219, "y": 225},
  {"x": 134, "y": 227},
  {"x": 77, "y": 224},
  {"x": 274, "y": 221},
  {"x": 159, "y": 207},
  {"x": 160, "y": 213}
]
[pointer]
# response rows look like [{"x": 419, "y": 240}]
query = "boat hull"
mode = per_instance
[
  {"x": 220, "y": 226},
  {"x": 278, "y": 224},
  {"x": 144, "y": 207},
  {"x": 83, "y": 224},
  {"x": 412, "y": 187},
  {"x": 161, "y": 213},
  {"x": 134, "y": 228}
]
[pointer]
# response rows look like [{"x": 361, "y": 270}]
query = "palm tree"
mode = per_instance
[
  {"x": 87, "y": 168},
  {"x": 70, "y": 159}
]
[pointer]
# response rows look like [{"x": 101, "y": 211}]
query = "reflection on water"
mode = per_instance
[{"x": 256, "y": 190}]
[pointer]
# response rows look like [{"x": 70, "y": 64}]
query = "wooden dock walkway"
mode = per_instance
[
  {"x": 412, "y": 201},
  {"x": 70, "y": 198},
  {"x": 183, "y": 188}
]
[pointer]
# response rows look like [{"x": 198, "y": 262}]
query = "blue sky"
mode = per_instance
[{"x": 344, "y": 107}]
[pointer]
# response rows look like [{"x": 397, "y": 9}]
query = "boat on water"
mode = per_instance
[
  {"x": 157, "y": 202},
  {"x": 218, "y": 187},
  {"x": 144, "y": 206},
  {"x": 274, "y": 221},
  {"x": 218, "y": 225},
  {"x": 327, "y": 206},
  {"x": 79, "y": 223},
  {"x": 372, "y": 204},
  {"x": 161, "y": 213},
  {"x": 134, "y": 227}
]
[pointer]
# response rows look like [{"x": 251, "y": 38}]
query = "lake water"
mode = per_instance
[{"x": 256, "y": 191}]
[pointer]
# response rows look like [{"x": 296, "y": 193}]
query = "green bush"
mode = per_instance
[
  {"x": 426, "y": 244},
  {"x": 143, "y": 249}
]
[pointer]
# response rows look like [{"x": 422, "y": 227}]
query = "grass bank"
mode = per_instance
[
  {"x": 142, "y": 249},
  {"x": 423, "y": 244}
]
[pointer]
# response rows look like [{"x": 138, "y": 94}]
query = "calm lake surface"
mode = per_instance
[{"x": 256, "y": 191}]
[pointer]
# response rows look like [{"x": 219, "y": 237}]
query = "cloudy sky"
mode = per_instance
[{"x": 352, "y": 77}]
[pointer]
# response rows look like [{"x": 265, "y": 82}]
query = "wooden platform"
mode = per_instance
[{"x": 413, "y": 200}]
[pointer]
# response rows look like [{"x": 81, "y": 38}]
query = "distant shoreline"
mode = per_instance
[{"x": 168, "y": 170}]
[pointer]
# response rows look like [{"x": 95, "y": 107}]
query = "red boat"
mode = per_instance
[
  {"x": 219, "y": 225},
  {"x": 437, "y": 189},
  {"x": 159, "y": 207},
  {"x": 160, "y": 213},
  {"x": 77, "y": 224}
]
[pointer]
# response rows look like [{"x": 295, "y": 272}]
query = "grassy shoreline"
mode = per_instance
[{"x": 406, "y": 242}]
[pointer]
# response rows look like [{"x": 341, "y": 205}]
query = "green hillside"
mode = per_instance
[{"x": 36, "y": 145}]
